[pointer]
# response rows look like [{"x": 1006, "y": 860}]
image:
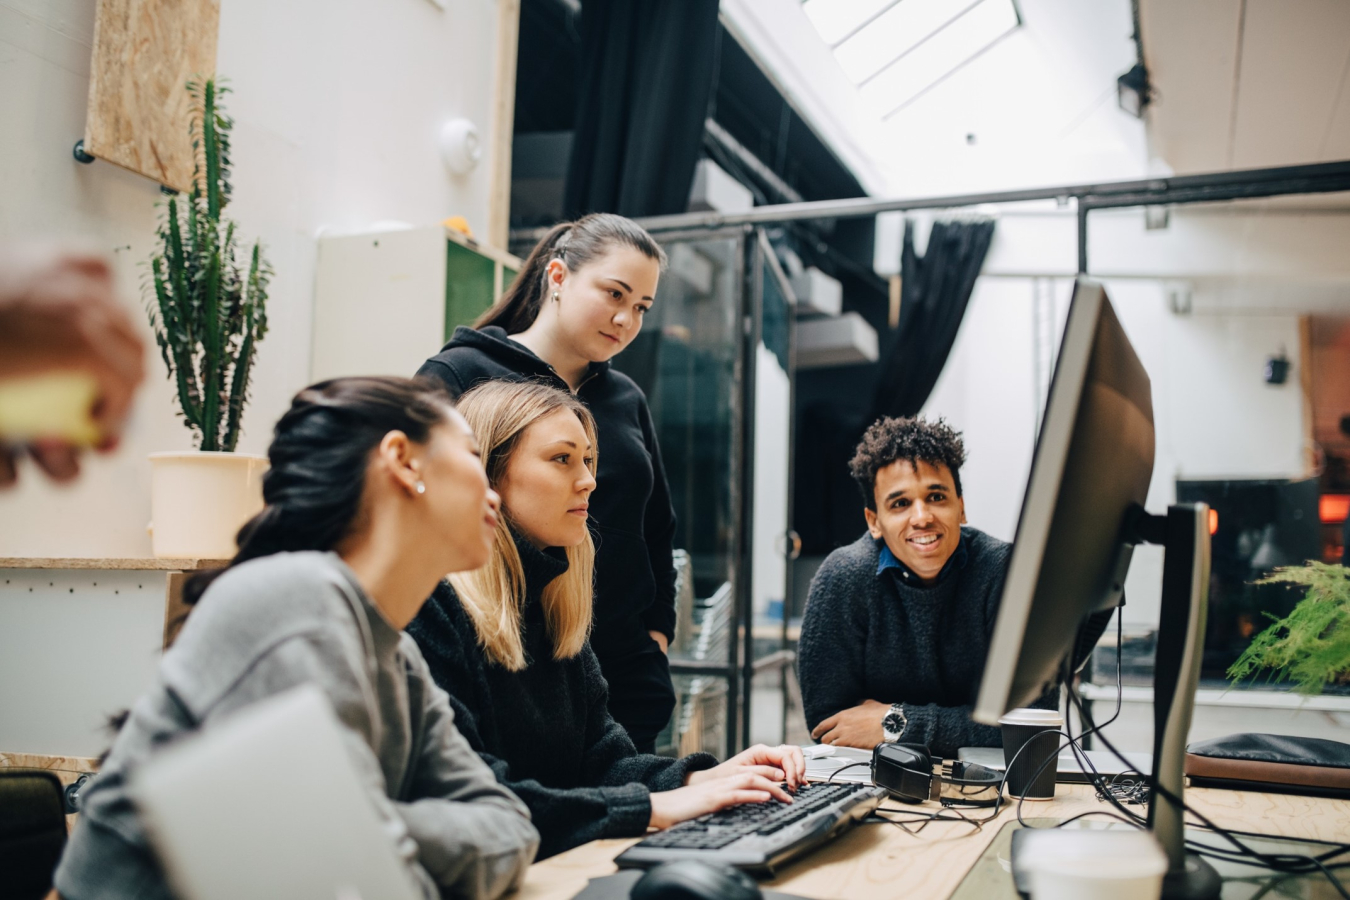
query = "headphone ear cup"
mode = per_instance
[
  {"x": 925, "y": 758},
  {"x": 974, "y": 773}
]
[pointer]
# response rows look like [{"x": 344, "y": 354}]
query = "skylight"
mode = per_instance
[{"x": 896, "y": 50}]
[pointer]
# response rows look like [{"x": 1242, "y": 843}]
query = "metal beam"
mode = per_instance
[
  {"x": 1319, "y": 178},
  {"x": 716, "y": 134}
]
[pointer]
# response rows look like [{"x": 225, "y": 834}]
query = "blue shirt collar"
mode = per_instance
[{"x": 907, "y": 575}]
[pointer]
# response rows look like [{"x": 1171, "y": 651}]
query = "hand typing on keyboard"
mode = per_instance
[
  {"x": 718, "y": 829},
  {"x": 782, "y": 763},
  {"x": 750, "y": 777}
]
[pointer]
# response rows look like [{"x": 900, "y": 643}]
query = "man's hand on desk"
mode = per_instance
[{"x": 858, "y": 726}]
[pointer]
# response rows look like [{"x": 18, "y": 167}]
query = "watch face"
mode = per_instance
[{"x": 893, "y": 723}]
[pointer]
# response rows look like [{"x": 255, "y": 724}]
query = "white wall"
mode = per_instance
[
  {"x": 773, "y": 408},
  {"x": 1214, "y": 414},
  {"x": 337, "y": 105}
]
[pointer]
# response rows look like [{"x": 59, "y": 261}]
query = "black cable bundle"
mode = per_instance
[{"x": 1121, "y": 790}]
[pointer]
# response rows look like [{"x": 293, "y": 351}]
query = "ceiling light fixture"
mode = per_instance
[{"x": 1133, "y": 91}]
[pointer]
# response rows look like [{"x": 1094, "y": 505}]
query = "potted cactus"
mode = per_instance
[{"x": 208, "y": 307}]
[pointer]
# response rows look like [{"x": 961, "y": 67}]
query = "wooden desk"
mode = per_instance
[{"x": 875, "y": 860}]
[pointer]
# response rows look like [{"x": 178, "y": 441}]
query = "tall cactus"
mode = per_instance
[{"x": 207, "y": 310}]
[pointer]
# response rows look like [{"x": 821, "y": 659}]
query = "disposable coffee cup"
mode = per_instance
[{"x": 1036, "y": 730}]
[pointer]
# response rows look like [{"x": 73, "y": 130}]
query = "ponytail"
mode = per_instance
[
  {"x": 319, "y": 453},
  {"x": 575, "y": 244}
]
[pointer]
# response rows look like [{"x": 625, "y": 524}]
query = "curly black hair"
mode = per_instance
[{"x": 915, "y": 440}]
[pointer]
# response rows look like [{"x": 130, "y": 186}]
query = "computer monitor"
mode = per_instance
[
  {"x": 1093, "y": 463},
  {"x": 1082, "y": 515}
]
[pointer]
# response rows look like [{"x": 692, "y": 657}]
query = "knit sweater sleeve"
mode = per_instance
[
  {"x": 564, "y": 817},
  {"x": 830, "y": 663},
  {"x": 610, "y": 755},
  {"x": 946, "y": 729},
  {"x": 480, "y": 812}
]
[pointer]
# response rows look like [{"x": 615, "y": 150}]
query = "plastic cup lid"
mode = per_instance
[
  {"x": 1108, "y": 854},
  {"x": 1032, "y": 717}
]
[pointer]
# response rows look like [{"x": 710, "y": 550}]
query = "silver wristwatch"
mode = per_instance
[{"x": 893, "y": 723}]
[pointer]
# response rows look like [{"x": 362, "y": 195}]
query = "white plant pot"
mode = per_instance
[{"x": 200, "y": 499}]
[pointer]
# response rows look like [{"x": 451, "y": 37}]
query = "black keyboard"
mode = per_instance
[{"x": 761, "y": 836}]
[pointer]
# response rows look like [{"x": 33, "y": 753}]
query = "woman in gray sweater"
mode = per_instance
[{"x": 364, "y": 472}]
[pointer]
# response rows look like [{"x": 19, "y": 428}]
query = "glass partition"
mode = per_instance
[
  {"x": 715, "y": 360},
  {"x": 687, "y": 360},
  {"x": 768, "y": 708}
]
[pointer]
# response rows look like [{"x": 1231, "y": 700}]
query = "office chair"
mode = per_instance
[{"x": 32, "y": 831}]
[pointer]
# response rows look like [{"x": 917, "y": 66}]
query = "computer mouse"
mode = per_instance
[{"x": 692, "y": 880}]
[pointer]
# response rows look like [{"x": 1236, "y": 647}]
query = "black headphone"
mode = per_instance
[{"x": 906, "y": 771}]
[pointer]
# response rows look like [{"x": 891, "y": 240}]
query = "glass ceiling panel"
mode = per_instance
[
  {"x": 932, "y": 60},
  {"x": 837, "y": 19},
  {"x": 894, "y": 33}
]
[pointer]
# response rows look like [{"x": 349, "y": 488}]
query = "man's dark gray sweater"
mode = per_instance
[{"x": 879, "y": 636}]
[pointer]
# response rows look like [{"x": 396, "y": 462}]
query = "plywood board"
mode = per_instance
[
  {"x": 145, "y": 53},
  {"x": 503, "y": 122}
]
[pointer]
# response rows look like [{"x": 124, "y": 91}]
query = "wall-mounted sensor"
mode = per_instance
[
  {"x": 460, "y": 146},
  {"x": 1277, "y": 369}
]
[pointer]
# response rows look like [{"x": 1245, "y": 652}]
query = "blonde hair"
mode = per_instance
[{"x": 499, "y": 412}]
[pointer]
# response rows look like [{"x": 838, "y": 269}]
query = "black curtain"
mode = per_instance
[
  {"x": 647, "y": 72},
  {"x": 837, "y": 405},
  {"x": 934, "y": 291}
]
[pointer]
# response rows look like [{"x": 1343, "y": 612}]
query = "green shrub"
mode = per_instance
[{"x": 1310, "y": 646}]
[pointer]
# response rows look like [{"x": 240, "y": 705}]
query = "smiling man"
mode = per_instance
[{"x": 898, "y": 623}]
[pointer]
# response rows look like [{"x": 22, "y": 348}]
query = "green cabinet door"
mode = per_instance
[{"x": 468, "y": 285}]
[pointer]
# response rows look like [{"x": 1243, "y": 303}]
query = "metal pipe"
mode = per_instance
[
  {"x": 689, "y": 667},
  {"x": 1318, "y": 178},
  {"x": 1082, "y": 237},
  {"x": 718, "y": 135}
]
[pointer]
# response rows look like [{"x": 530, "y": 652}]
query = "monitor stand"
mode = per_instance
[{"x": 1184, "y": 535}]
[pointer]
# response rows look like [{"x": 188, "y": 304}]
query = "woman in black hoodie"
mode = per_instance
[{"x": 576, "y": 304}]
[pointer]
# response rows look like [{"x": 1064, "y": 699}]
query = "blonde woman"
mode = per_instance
[{"x": 508, "y": 642}]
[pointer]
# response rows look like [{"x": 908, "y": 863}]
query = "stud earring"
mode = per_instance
[{"x": 421, "y": 487}]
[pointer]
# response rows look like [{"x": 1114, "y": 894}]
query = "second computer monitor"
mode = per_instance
[{"x": 1093, "y": 464}]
